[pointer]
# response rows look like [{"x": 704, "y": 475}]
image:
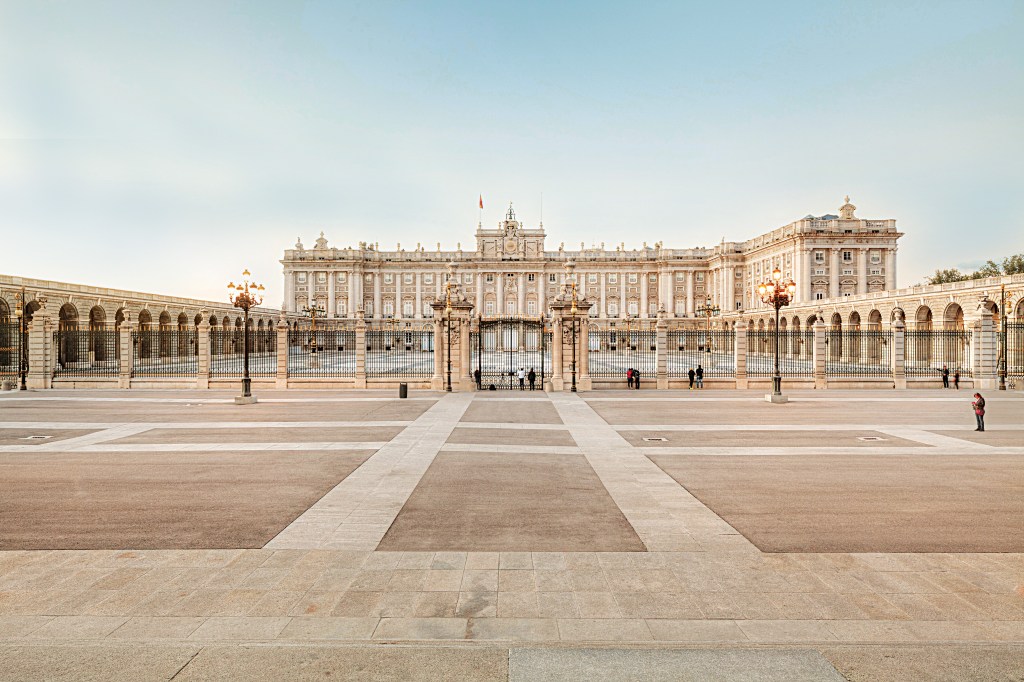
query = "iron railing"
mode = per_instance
[
  {"x": 91, "y": 352},
  {"x": 1014, "y": 349},
  {"x": 613, "y": 351},
  {"x": 858, "y": 352},
  {"x": 500, "y": 347},
  {"x": 227, "y": 352},
  {"x": 324, "y": 352},
  {"x": 401, "y": 351},
  {"x": 928, "y": 350},
  {"x": 165, "y": 352},
  {"x": 796, "y": 353},
  {"x": 714, "y": 351},
  {"x": 11, "y": 353}
]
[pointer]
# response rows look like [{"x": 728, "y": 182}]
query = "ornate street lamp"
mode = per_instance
[
  {"x": 1003, "y": 354},
  {"x": 708, "y": 311},
  {"x": 573, "y": 315},
  {"x": 777, "y": 293},
  {"x": 448, "y": 333},
  {"x": 313, "y": 312},
  {"x": 247, "y": 295}
]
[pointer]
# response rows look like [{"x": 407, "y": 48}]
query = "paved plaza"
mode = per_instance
[{"x": 678, "y": 535}]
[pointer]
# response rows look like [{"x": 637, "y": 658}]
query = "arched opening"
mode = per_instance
[
  {"x": 875, "y": 320},
  {"x": 953, "y": 317},
  {"x": 118, "y": 318},
  {"x": 99, "y": 343},
  {"x": 8, "y": 340},
  {"x": 923, "y": 318},
  {"x": 67, "y": 333},
  {"x": 834, "y": 337}
]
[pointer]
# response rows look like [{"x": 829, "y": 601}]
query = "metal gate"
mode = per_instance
[
  {"x": 501, "y": 347},
  {"x": 13, "y": 353}
]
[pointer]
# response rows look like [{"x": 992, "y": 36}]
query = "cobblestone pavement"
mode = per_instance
[{"x": 494, "y": 503}]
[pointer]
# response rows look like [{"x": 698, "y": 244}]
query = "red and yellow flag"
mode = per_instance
[{"x": 481, "y": 202}]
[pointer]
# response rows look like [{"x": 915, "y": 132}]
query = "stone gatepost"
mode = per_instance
[
  {"x": 561, "y": 337},
  {"x": 740, "y": 350},
  {"x": 283, "y": 353},
  {"x": 899, "y": 355},
  {"x": 124, "y": 341},
  {"x": 40, "y": 341},
  {"x": 360, "y": 379},
  {"x": 461, "y": 316},
  {"x": 984, "y": 348},
  {"x": 661, "y": 342},
  {"x": 820, "y": 349}
]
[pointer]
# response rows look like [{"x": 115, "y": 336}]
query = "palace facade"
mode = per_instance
[{"x": 512, "y": 272}]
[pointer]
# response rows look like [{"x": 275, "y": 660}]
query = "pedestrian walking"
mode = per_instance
[
  {"x": 945, "y": 376},
  {"x": 629, "y": 377},
  {"x": 636, "y": 379},
  {"x": 522, "y": 379},
  {"x": 956, "y": 379},
  {"x": 532, "y": 376},
  {"x": 691, "y": 374},
  {"x": 699, "y": 374},
  {"x": 979, "y": 411},
  {"x": 476, "y": 378}
]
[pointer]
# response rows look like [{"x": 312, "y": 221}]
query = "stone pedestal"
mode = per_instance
[{"x": 245, "y": 400}]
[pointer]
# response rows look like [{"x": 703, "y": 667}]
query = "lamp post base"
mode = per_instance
[
  {"x": 245, "y": 399},
  {"x": 776, "y": 398}
]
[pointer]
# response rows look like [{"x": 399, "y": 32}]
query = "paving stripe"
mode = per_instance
[
  {"x": 357, "y": 512},
  {"x": 512, "y": 449},
  {"x": 805, "y": 427},
  {"x": 663, "y": 513}
]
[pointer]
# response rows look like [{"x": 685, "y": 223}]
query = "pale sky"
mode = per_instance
[{"x": 165, "y": 146}]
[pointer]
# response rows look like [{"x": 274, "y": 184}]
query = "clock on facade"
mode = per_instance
[{"x": 510, "y": 245}]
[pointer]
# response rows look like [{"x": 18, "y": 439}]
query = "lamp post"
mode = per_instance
[
  {"x": 777, "y": 293},
  {"x": 249, "y": 295},
  {"x": 708, "y": 311},
  {"x": 313, "y": 312},
  {"x": 448, "y": 334},
  {"x": 1003, "y": 347},
  {"x": 573, "y": 313},
  {"x": 22, "y": 315}
]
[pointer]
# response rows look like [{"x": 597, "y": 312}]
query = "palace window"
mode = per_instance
[
  {"x": 388, "y": 278},
  {"x": 613, "y": 278},
  {"x": 427, "y": 310},
  {"x": 342, "y": 308},
  {"x": 552, "y": 278},
  {"x": 633, "y": 308},
  {"x": 490, "y": 307},
  {"x": 530, "y": 277},
  {"x": 368, "y": 278},
  {"x": 700, "y": 276},
  {"x": 489, "y": 277},
  {"x": 531, "y": 308},
  {"x": 876, "y": 257},
  {"x": 341, "y": 277},
  {"x": 321, "y": 277},
  {"x": 876, "y": 271},
  {"x": 818, "y": 295},
  {"x": 389, "y": 308},
  {"x": 592, "y": 278},
  {"x": 408, "y": 278},
  {"x": 428, "y": 278},
  {"x": 652, "y": 308},
  {"x": 368, "y": 308},
  {"x": 847, "y": 256},
  {"x": 848, "y": 271},
  {"x": 632, "y": 278},
  {"x": 510, "y": 307},
  {"x": 680, "y": 276},
  {"x": 680, "y": 308},
  {"x": 613, "y": 309},
  {"x": 819, "y": 271},
  {"x": 653, "y": 278},
  {"x": 407, "y": 309},
  {"x": 302, "y": 278},
  {"x": 819, "y": 256},
  {"x": 467, "y": 278}
]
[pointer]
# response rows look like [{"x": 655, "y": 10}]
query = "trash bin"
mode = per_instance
[{"x": 403, "y": 390}]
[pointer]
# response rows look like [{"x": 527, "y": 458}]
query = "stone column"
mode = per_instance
[
  {"x": 479, "y": 293},
  {"x": 899, "y": 356},
  {"x": 310, "y": 288},
  {"x": 808, "y": 274},
  {"x": 202, "y": 350},
  {"x": 862, "y": 270},
  {"x": 542, "y": 299},
  {"x": 741, "y": 353},
  {"x": 643, "y": 294},
  {"x": 583, "y": 355},
  {"x": 399, "y": 308},
  {"x": 833, "y": 274},
  {"x": 820, "y": 349},
  {"x": 521, "y": 303},
  {"x": 499, "y": 287},
  {"x": 890, "y": 269},
  {"x": 604, "y": 308},
  {"x": 353, "y": 280},
  {"x": 417, "y": 279},
  {"x": 690, "y": 309},
  {"x": 661, "y": 334},
  {"x": 666, "y": 301},
  {"x": 557, "y": 341},
  {"x": 332, "y": 303},
  {"x": 440, "y": 354},
  {"x": 730, "y": 288},
  {"x": 124, "y": 340},
  {"x": 378, "y": 307},
  {"x": 289, "y": 291},
  {"x": 623, "y": 308},
  {"x": 465, "y": 374},
  {"x": 281, "y": 379},
  {"x": 360, "y": 380}
]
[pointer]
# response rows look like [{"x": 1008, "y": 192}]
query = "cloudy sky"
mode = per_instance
[{"x": 165, "y": 146}]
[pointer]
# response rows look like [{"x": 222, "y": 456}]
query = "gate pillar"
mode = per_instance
[
  {"x": 40, "y": 340},
  {"x": 455, "y": 309},
  {"x": 569, "y": 303}
]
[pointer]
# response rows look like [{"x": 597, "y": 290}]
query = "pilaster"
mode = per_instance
[
  {"x": 820, "y": 349},
  {"x": 661, "y": 341},
  {"x": 203, "y": 350},
  {"x": 740, "y": 351},
  {"x": 583, "y": 382},
  {"x": 899, "y": 355},
  {"x": 40, "y": 341},
  {"x": 283, "y": 352},
  {"x": 360, "y": 379},
  {"x": 124, "y": 341}
]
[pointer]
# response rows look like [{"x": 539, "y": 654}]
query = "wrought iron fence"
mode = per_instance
[
  {"x": 500, "y": 347},
  {"x": 858, "y": 352},
  {"x": 165, "y": 352},
  {"x": 401, "y": 351},
  {"x": 11, "y": 354},
  {"x": 91, "y": 352},
  {"x": 927, "y": 351},
  {"x": 1014, "y": 349},
  {"x": 714, "y": 351},
  {"x": 613, "y": 351},
  {"x": 796, "y": 353},
  {"x": 227, "y": 352},
  {"x": 324, "y": 352}
]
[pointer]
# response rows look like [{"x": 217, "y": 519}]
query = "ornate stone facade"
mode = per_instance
[{"x": 511, "y": 272}]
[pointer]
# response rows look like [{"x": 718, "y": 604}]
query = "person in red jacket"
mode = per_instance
[{"x": 979, "y": 411}]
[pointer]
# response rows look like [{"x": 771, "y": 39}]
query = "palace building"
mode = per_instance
[{"x": 511, "y": 271}]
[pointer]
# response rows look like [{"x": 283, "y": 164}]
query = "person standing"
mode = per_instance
[
  {"x": 629, "y": 377},
  {"x": 532, "y": 376},
  {"x": 636, "y": 379},
  {"x": 522, "y": 379},
  {"x": 476, "y": 378},
  {"x": 691, "y": 374},
  {"x": 956, "y": 379},
  {"x": 979, "y": 411},
  {"x": 700, "y": 376},
  {"x": 945, "y": 376}
]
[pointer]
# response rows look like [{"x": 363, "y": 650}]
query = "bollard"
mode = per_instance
[{"x": 403, "y": 390}]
